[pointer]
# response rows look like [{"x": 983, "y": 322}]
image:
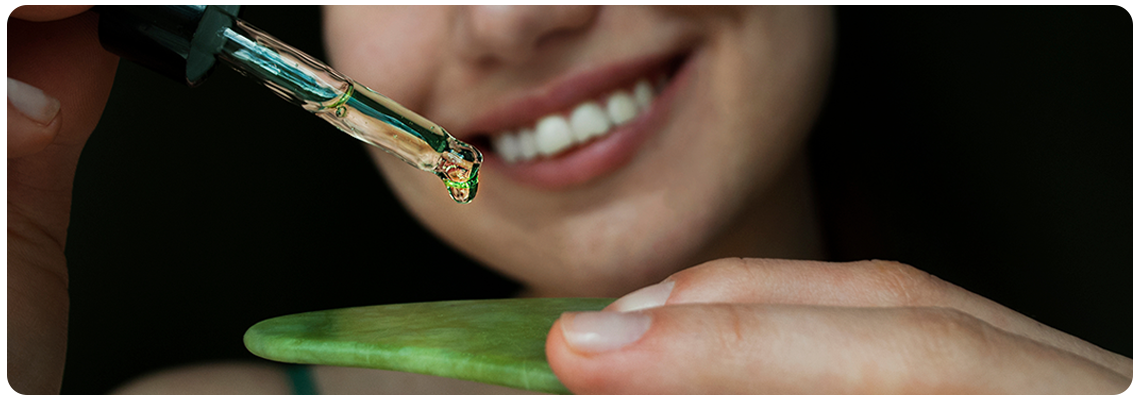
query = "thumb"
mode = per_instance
[{"x": 682, "y": 349}]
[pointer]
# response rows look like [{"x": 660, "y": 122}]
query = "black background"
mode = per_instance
[{"x": 989, "y": 146}]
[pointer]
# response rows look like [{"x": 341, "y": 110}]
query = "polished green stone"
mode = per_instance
[{"x": 500, "y": 342}]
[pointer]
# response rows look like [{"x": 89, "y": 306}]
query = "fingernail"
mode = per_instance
[
  {"x": 646, "y": 297},
  {"x": 32, "y": 102},
  {"x": 596, "y": 332}
]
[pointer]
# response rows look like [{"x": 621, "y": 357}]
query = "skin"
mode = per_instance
[
  {"x": 728, "y": 325},
  {"x": 803, "y": 327},
  {"x": 626, "y": 229}
]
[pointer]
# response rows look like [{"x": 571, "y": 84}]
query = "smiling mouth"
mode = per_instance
[{"x": 561, "y": 132}]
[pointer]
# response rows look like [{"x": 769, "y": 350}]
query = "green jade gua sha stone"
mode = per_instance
[{"x": 501, "y": 342}]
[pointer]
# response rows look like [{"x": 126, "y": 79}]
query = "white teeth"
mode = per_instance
[
  {"x": 552, "y": 134},
  {"x": 555, "y": 133},
  {"x": 621, "y": 107},
  {"x": 527, "y": 148},
  {"x": 587, "y": 121},
  {"x": 643, "y": 93},
  {"x": 507, "y": 145}
]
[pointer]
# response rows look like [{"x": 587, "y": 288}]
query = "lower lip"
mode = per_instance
[{"x": 600, "y": 157}]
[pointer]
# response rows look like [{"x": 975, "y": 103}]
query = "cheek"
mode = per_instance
[
  {"x": 393, "y": 50},
  {"x": 770, "y": 81}
]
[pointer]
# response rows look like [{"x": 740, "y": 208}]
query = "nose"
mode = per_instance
[{"x": 515, "y": 33}]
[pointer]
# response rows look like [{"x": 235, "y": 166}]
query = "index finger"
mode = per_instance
[
  {"x": 784, "y": 349},
  {"x": 872, "y": 283}
]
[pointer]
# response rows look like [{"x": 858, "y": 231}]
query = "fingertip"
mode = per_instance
[
  {"x": 571, "y": 368},
  {"x": 647, "y": 297},
  {"x": 31, "y": 102},
  {"x": 683, "y": 349},
  {"x": 33, "y": 119},
  {"x": 601, "y": 352}
]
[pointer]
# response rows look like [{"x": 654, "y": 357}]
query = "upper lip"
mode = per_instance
[{"x": 561, "y": 94}]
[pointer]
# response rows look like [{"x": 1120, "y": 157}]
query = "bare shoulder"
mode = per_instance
[
  {"x": 341, "y": 380},
  {"x": 266, "y": 378},
  {"x": 213, "y": 378}
]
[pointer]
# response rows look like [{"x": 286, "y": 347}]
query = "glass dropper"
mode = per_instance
[
  {"x": 184, "y": 42},
  {"x": 351, "y": 107}
]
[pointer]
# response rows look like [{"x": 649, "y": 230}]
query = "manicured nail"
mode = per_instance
[
  {"x": 646, "y": 297},
  {"x": 596, "y": 332},
  {"x": 32, "y": 102}
]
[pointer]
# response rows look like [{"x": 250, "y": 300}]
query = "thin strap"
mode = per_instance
[{"x": 302, "y": 378}]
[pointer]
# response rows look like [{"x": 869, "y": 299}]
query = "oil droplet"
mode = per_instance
[
  {"x": 459, "y": 169},
  {"x": 462, "y": 192}
]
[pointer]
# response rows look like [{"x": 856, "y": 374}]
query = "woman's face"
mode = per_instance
[{"x": 618, "y": 142}]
